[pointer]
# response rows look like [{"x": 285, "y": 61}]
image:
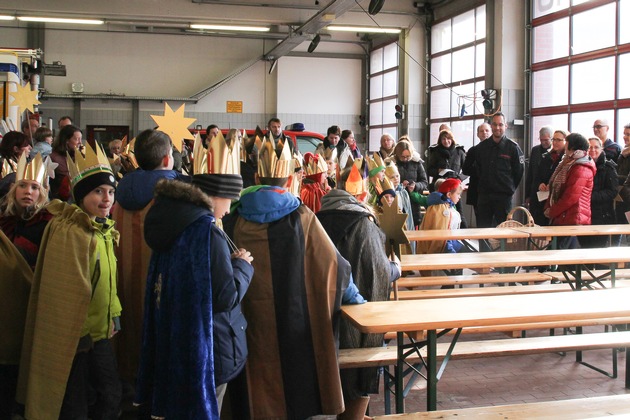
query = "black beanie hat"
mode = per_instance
[
  {"x": 87, "y": 184},
  {"x": 219, "y": 185}
]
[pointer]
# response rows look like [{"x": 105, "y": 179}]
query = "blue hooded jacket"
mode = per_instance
[{"x": 135, "y": 190}]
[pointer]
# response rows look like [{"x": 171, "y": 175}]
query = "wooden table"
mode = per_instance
[
  {"x": 551, "y": 233},
  {"x": 486, "y": 260},
  {"x": 456, "y": 313}
]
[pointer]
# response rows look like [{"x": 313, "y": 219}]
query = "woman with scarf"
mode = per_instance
[
  {"x": 412, "y": 173},
  {"x": 548, "y": 164},
  {"x": 387, "y": 147},
  {"x": 571, "y": 186}
]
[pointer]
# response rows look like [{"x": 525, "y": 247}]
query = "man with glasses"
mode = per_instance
[{"x": 611, "y": 148}]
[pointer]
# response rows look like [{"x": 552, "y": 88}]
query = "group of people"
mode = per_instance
[
  {"x": 574, "y": 180},
  {"x": 186, "y": 284},
  {"x": 228, "y": 280}
]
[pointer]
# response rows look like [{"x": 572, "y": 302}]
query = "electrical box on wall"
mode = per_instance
[{"x": 77, "y": 87}]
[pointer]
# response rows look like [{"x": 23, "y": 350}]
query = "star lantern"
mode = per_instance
[
  {"x": 393, "y": 223},
  {"x": 24, "y": 98},
  {"x": 175, "y": 125}
]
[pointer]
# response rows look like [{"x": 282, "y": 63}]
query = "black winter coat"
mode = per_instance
[
  {"x": 604, "y": 192},
  {"x": 441, "y": 157}
]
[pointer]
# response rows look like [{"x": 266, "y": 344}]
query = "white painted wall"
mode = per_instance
[{"x": 319, "y": 85}]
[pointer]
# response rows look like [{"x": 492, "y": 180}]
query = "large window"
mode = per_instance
[
  {"x": 458, "y": 54},
  {"x": 580, "y": 50},
  {"x": 383, "y": 94}
]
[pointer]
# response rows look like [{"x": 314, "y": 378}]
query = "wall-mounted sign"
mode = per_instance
[{"x": 234, "y": 107}]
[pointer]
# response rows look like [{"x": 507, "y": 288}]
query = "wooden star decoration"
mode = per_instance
[
  {"x": 392, "y": 223},
  {"x": 175, "y": 125},
  {"x": 24, "y": 98}
]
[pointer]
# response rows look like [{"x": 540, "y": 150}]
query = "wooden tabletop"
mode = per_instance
[
  {"x": 581, "y": 230},
  {"x": 517, "y": 232},
  {"x": 475, "y": 233},
  {"x": 432, "y": 314},
  {"x": 473, "y": 260}
]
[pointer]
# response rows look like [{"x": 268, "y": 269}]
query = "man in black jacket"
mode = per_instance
[{"x": 500, "y": 165}]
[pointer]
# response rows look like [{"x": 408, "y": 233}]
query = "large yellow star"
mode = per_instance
[
  {"x": 24, "y": 98},
  {"x": 175, "y": 125},
  {"x": 392, "y": 223}
]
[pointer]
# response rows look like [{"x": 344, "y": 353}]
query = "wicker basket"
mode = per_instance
[{"x": 518, "y": 244}]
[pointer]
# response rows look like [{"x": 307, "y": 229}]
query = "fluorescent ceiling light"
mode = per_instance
[
  {"x": 61, "y": 20},
  {"x": 370, "y": 29},
  {"x": 7, "y": 17},
  {"x": 231, "y": 28}
]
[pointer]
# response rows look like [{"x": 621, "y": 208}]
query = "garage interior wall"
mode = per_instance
[{"x": 316, "y": 91}]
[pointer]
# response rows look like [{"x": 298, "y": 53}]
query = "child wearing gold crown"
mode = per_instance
[
  {"x": 194, "y": 330},
  {"x": 292, "y": 306},
  {"x": 73, "y": 308},
  {"x": 23, "y": 216},
  {"x": 314, "y": 185}
]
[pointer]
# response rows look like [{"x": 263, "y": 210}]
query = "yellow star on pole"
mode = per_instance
[
  {"x": 24, "y": 98},
  {"x": 175, "y": 125},
  {"x": 392, "y": 223}
]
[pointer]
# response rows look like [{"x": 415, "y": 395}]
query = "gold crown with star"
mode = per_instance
[
  {"x": 219, "y": 158},
  {"x": 88, "y": 164},
  {"x": 275, "y": 161}
]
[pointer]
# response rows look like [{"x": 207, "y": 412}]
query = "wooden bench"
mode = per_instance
[
  {"x": 481, "y": 291},
  {"x": 611, "y": 405},
  {"x": 494, "y": 278},
  {"x": 387, "y": 356}
]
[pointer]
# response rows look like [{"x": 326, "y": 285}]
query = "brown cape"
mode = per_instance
[
  {"x": 57, "y": 310},
  {"x": 15, "y": 285},
  {"x": 133, "y": 255},
  {"x": 292, "y": 309}
]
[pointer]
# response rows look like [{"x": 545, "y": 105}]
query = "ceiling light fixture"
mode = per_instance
[
  {"x": 230, "y": 28},
  {"x": 61, "y": 20},
  {"x": 366, "y": 29},
  {"x": 7, "y": 17}
]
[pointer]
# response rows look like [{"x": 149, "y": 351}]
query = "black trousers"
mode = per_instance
[{"x": 94, "y": 389}]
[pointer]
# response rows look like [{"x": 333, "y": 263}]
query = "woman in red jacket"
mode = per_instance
[{"x": 571, "y": 185}]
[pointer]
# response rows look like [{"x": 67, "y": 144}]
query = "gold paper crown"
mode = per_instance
[
  {"x": 391, "y": 170},
  {"x": 315, "y": 165},
  {"x": 374, "y": 162},
  {"x": 37, "y": 169},
  {"x": 355, "y": 184},
  {"x": 330, "y": 154},
  {"x": 274, "y": 161},
  {"x": 8, "y": 167},
  {"x": 84, "y": 166},
  {"x": 218, "y": 158},
  {"x": 383, "y": 185},
  {"x": 128, "y": 154}
]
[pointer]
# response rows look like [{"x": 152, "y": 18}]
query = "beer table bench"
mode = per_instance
[
  {"x": 551, "y": 233},
  {"x": 480, "y": 234},
  {"x": 576, "y": 258},
  {"x": 617, "y": 406},
  {"x": 457, "y": 313}
]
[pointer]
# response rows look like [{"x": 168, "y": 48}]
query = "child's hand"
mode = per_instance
[{"x": 243, "y": 254}]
